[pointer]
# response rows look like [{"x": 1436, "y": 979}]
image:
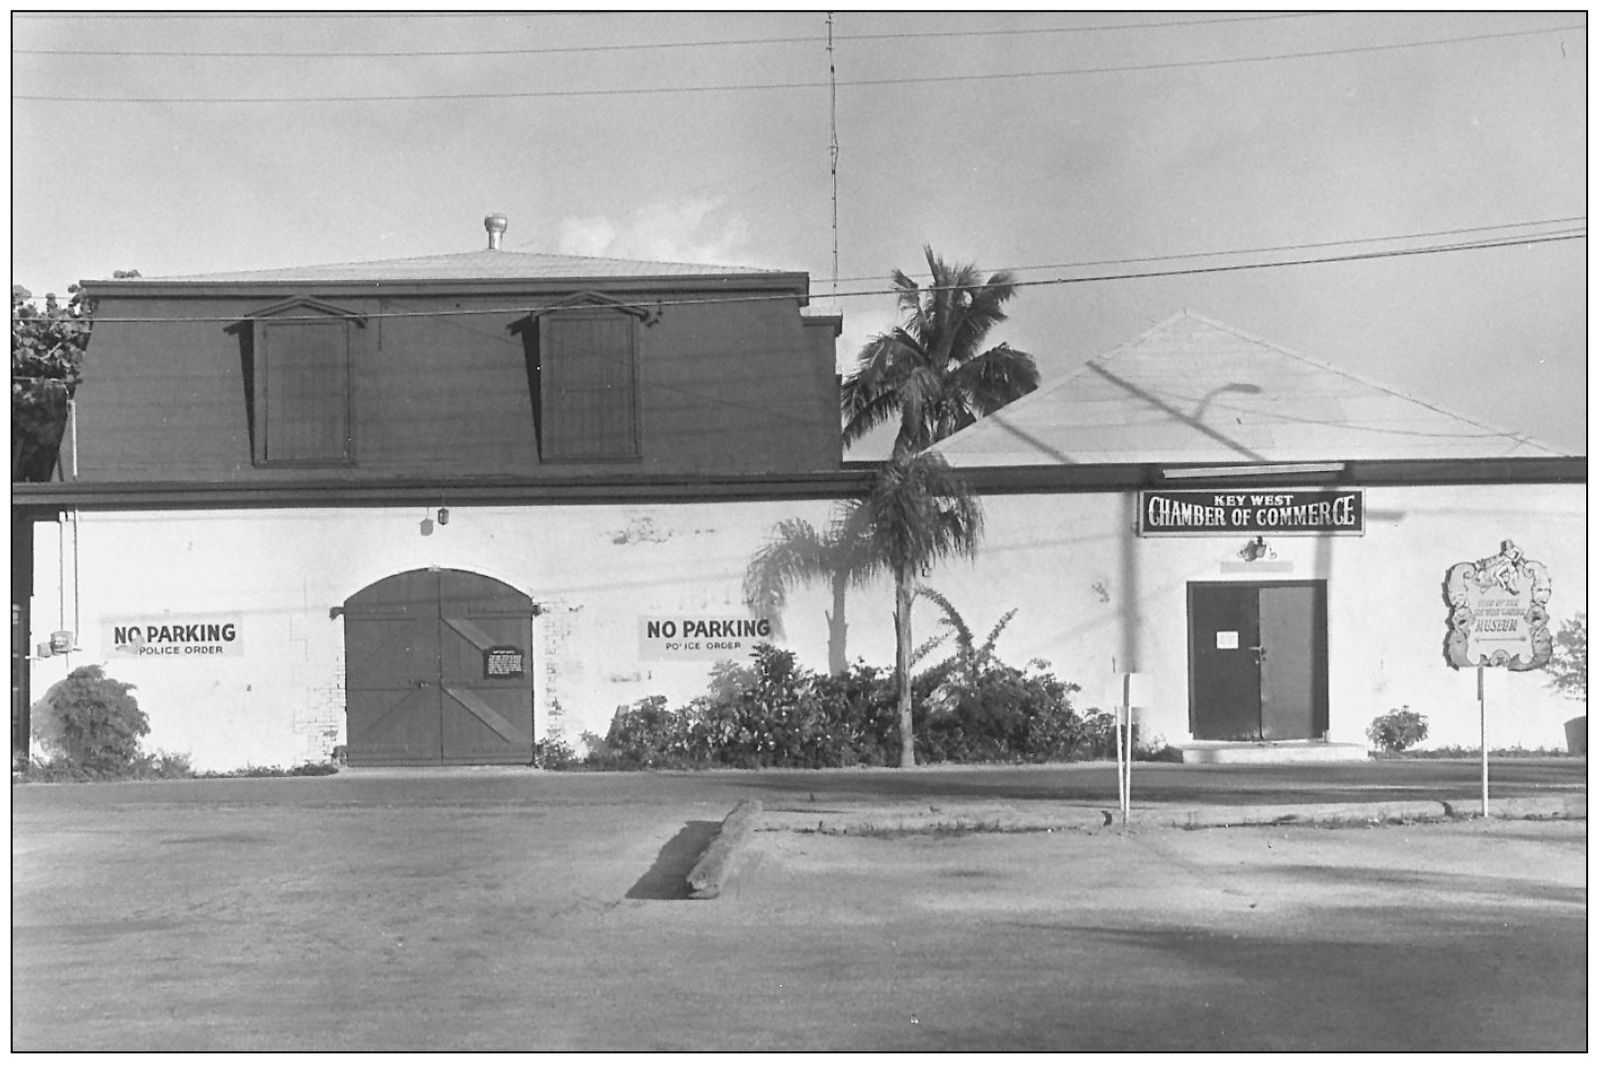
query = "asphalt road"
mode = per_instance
[{"x": 506, "y": 910}]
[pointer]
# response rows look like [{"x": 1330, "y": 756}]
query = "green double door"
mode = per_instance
[{"x": 437, "y": 671}]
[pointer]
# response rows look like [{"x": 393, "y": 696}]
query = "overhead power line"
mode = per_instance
[
  {"x": 646, "y": 46},
  {"x": 1568, "y": 221},
  {"x": 523, "y": 308},
  {"x": 778, "y": 86}
]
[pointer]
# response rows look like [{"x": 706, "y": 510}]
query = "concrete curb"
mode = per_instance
[
  {"x": 1044, "y": 817},
  {"x": 707, "y": 878}
]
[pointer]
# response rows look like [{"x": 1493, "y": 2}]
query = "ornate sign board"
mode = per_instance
[
  {"x": 1284, "y": 512},
  {"x": 1498, "y": 612}
]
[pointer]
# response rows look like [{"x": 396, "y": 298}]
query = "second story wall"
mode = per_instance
[{"x": 271, "y": 387}]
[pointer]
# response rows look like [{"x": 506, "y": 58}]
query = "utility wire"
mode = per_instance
[
  {"x": 1568, "y": 221},
  {"x": 776, "y": 86},
  {"x": 524, "y": 308},
  {"x": 649, "y": 46}
]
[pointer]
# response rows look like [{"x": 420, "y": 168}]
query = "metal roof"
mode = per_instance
[
  {"x": 1194, "y": 390},
  {"x": 482, "y": 265}
]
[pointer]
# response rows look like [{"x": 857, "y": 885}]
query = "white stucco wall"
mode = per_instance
[{"x": 1087, "y": 593}]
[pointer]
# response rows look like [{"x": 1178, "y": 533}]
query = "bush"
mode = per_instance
[
  {"x": 1002, "y": 713},
  {"x": 1568, "y": 663},
  {"x": 306, "y": 769},
  {"x": 163, "y": 766},
  {"x": 97, "y": 722},
  {"x": 554, "y": 753},
  {"x": 55, "y": 770},
  {"x": 772, "y": 713},
  {"x": 1398, "y": 730}
]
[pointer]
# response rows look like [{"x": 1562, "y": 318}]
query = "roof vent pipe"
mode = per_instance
[{"x": 496, "y": 225}]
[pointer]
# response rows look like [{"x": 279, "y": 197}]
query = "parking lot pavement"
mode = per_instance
[{"x": 505, "y": 910}]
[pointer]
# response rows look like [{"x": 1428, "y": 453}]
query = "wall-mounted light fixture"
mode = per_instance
[
  {"x": 444, "y": 516},
  {"x": 1256, "y": 549}
]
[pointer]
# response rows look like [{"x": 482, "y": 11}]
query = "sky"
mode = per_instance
[{"x": 1073, "y": 149}]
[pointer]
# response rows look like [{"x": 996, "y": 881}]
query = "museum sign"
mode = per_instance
[{"x": 1498, "y": 611}]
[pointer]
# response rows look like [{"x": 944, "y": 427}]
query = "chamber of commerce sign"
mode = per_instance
[
  {"x": 702, "y": 637},
  {"x": 1498, "y": 612},
  {"x": 1208, "y": 512},
  {"x": 175, "y": 636}
]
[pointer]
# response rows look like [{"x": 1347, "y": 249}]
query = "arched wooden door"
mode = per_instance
[{"x": 437, "y": 671}]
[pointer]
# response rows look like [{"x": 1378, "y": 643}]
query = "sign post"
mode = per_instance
[
  {"x": 1485, "y": 754},
  {"x": 1129, "y": 747},
  {"x": 1498, "y": 618},
  {"x": 1122, "y": 697},
  {"x": 1118, "y": 744}
]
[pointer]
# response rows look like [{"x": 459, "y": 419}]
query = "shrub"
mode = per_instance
[
  {"x": 1568, "y": 663},
  {"x": 307, "y": 769},
  {"x": 1398, "y": 730},
  {"x": 55, "y": 770},
  {"x": 770, "y": 712},
  {"x": 554, "y": 753},
  {"x": 97, "y": 722},
  {"x": 1001, "y": 713},
  {"x": 163, "y": 766}
]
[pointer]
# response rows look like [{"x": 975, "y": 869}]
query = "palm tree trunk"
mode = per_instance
[
  {"x": 837, "y": 626},
  {"x": 904, "y": 662}
]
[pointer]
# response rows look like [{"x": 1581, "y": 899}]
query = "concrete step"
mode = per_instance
[{"x": 1271, "y": 751}]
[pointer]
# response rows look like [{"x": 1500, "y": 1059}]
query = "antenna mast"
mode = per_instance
[{"x": 834, "y": 163}]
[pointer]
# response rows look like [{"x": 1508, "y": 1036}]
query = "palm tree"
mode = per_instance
[
  {"x": 918, "y": 512},
  {"x": 798, "y": 554},
  {"x": 930, "y": 371}
]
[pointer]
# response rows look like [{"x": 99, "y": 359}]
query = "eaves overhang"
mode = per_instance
[
  {"x": 771, "y": 284},
  {"x": 852, "y": 481}
]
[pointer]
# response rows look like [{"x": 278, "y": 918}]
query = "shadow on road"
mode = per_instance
[{"x": 668, "y": 877}]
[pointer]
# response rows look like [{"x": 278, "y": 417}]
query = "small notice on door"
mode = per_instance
[
  {"x": 1228, "y": 639},
  {"x": 503, "y": 662}
]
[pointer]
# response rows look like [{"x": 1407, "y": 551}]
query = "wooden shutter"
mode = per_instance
[
  {"x": 303, "y": 393},
  {"x": 587, "y": 386}
]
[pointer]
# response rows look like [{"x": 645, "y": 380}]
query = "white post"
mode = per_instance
[
  {"x": 1485, "y": 758},
  {"x": 1118, "y": 742},
  {"x": 1129, "y": 747}
]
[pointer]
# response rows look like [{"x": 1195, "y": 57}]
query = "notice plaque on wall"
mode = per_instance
[
  {"x": 503, "y": 661},
  {"x": 174, "y": 637},
  {"x": 1206, "y": 512},
  {"x": 1499, "y": 613},
  {"x": 701, "y": 637}
]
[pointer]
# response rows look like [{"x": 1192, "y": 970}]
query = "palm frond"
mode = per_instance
[
  {"x": 867, "y": 415},
  {"x": 995, "y": 378},
  {"x": 921, "y": 511},
  {"x": 983, "y": 313},
  {"x": 869, "y": 393},
  {"x": 794, "y": 555},
  {"x": 921, "y": 396}
]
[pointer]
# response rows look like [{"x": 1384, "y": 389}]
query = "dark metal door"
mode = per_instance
[
  {"x": 1258, "y": 661},
  {"x": 429, "y": 657},
  {"x": 1225, "y": 700}
]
